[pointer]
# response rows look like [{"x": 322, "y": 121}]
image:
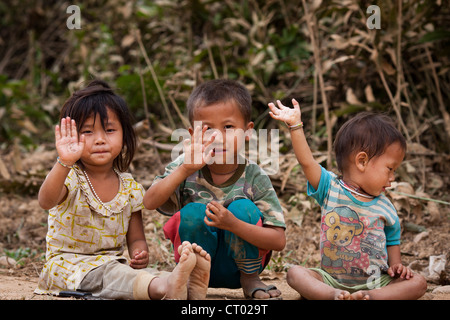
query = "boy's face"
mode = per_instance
[
  {"x": 379, "y": 171},
  {"x": 226, "y": 119}
]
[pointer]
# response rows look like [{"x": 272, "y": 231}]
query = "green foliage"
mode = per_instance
[
  {"x": 264, "y": 44},
  {"x": 21, "y": 254},
  {"x": 21, "y": 119}
]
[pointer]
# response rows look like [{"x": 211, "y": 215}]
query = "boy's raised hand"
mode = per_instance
[
  {"x": 291, "y": 116},
  {"x": 196, "y": 151},
  {"x": 68, "y": 145}
]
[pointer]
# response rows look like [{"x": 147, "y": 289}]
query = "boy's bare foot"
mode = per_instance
[
  {"x": 360, "y": 295},
  {"x": 178, "y": 279},
  {"x": 254, "y": 288},
  {"x": 342, "y": 295},
  {"x": 199, "y": 279}
]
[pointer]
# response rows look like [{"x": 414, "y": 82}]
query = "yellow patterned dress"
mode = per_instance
[{"x": 84, "y": 234}]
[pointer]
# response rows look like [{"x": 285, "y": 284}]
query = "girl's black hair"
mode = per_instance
[
  {"x": 368, "y": 132},
  {"x": 96, "y": 98}
]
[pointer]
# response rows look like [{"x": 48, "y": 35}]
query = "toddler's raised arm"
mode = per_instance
[{"x": 292, "y": 118}]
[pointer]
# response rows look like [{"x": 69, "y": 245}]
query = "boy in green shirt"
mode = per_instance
[{"x": 218, "y": 199}]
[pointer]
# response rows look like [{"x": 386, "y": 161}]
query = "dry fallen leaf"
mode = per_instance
[{"x": 351, "y": 98}]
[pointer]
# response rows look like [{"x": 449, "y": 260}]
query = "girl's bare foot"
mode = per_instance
[
  {"x": 178, "y": 279},
  {"x": 254, "y": 288},
  {"x": 199, "y": 279}
]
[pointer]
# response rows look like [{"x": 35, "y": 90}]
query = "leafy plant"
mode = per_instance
[{"x": 20, "y": 254}]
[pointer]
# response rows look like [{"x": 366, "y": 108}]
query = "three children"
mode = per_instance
[{"x": 225, "y": 215}]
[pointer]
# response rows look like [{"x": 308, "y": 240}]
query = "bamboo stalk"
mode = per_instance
[
  {"x": 211, "y": 57},
  {"x": 178, "y": 111},
  {"x": 154, "y": 76},
  {"x": 314, "y": 106},
  {"x": 442, "y": 107},
  {"x": 421, "y": 198},
  {"x": 144, "y": 99},
  {"x": 393, "y": 100},
  {"x": 318, "y": 66},
  {"x": 146, "y": 111},
  {"x": 399, "y": 52}
]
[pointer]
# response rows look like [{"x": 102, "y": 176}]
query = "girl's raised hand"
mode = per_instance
[
  {"x": 68, "y": 145},
  {"x": 197, "y": 154},
  {"x": 291, "y": 116}
]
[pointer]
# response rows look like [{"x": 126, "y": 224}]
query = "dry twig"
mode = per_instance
[
  {"x": 137, "y": 34},
  {"x": 318, "y": 66}
]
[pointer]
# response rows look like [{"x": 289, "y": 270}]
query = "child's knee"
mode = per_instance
[
  {"x": 294, "y": 273},
  {"x": 245, "y": 210},
  {"x": 192, "y": 217},
  {"x": 193, "y": 212},
  {"x": 299, "y": 274},
  {"x": 420, "y": 283}
]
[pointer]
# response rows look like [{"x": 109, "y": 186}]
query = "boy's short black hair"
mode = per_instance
[
  {"x": 368, "y": 132},
  {"x": 217, "y": 91},
  {"x": 95, "y": 99}
]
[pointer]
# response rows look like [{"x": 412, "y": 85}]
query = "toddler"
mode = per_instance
[{"x": 360, "y": 229}]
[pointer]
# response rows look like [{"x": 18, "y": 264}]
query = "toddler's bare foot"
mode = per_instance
[
  {"x": 254, "y": 288},
  {"x": 360, "y": 295},
  {"x": 178, "y": 279},
  {"x": 199, "y": 279}
]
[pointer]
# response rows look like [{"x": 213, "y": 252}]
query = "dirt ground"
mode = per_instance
[{"x": 425, "y": 229}]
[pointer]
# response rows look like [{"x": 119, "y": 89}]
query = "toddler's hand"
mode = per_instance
[
  {"x": 68, "y": 145},
  {"x": 399, "y": 270},
  {"x": 139, "y": 260},
  {"x": 291, "y": 116}
]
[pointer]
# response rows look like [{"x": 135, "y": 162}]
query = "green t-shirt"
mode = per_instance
[{"x": 248, "y": 182}]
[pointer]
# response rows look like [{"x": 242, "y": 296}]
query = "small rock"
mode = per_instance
[
  {"x": 418, "y": 265},
  {"x": 437, "y": 264},
  {"x": 412, "y": 227},
  {"x": 421, "y": 236},
  {"x": 442, "y": 289},
  {"x": 7, "y": 261}
]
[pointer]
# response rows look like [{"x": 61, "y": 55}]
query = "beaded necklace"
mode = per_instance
[
  {"x": 354, "y": 190},
  {"x": 95, "y": 193}
]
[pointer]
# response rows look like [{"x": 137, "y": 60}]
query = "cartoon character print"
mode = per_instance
[{"x": 340, "y": 226}]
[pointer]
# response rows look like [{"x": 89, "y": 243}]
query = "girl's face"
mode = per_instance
[
  {"x": 227, "y": 120},
  {"x": 379, "y": 171},
  {"x": 102, "y": 145}
]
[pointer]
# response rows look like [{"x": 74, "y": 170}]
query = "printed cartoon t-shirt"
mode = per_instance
[
  {"x": 354, "y": 234},
  {"x": 248, "y": 182}
]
